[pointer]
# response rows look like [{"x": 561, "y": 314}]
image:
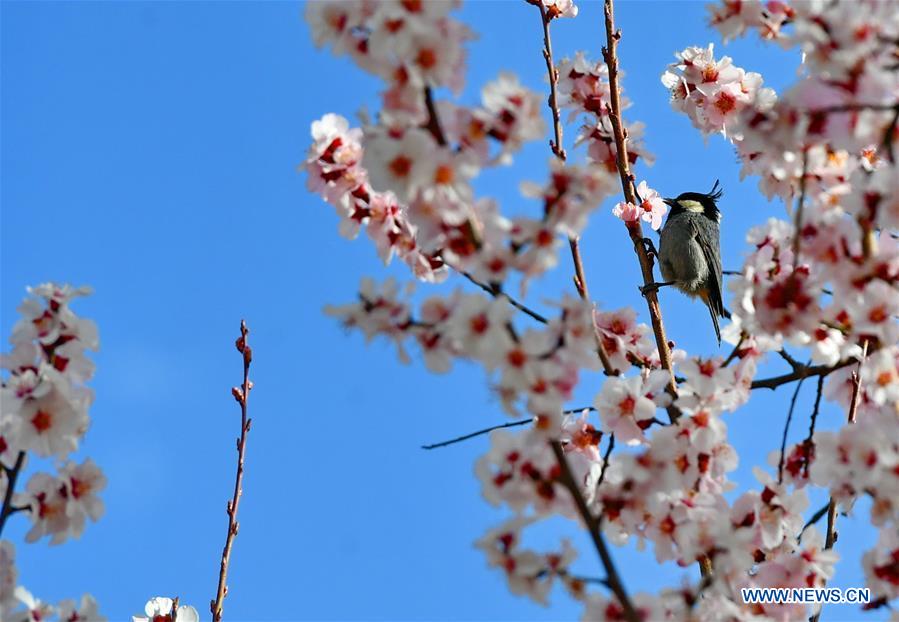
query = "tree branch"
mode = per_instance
[
  {"x": 433, "y": 124},
  {"x": 12, "y": 475},
  {"x": 803, "y": 371},
  {"x": 783, "y": 442},
  {"x": 556, "y": 145},
  {"x": 465, "y": 437},
  {"x": 815, "y": 518},
  {"x": 241, "y": 394},
  {"x": 831, "y": 535},
  {"x": 594, "y": 528},
  {"x": 605, "y": 461},
  {"x": 580, "y": 278},
  {"x": 511, "y": 424},
  {"x": 635, "y": 230},
  {"x": 809, "y": 442},
  {"x": 797, "y": 228},
  {"x": 496, "y": 292}
]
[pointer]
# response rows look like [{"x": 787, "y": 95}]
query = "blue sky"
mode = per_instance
[{"x": 150, "y": 151}]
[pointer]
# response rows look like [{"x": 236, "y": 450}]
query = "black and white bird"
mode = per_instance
[{"x": 690, "y": 250}]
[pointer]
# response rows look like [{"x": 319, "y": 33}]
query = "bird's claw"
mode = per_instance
[
  {"x": 649, "y": 247},
  {"x": 647, "y": 289}
]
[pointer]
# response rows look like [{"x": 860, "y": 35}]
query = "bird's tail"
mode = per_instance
[{"x": 714, "y": 315}]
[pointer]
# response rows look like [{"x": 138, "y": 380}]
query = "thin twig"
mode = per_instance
[
  {"x": 789, "y": 359},
  {"x": 605, "y": 461},
  {"x": 465, "y": 437},
  {"x": 496, "y": 292},
  {"x": 635, "y": 230},
  {"x": 511, "y": 424},
  {"x": 11, "y": 475},
  {"x": 241, "y": 394},
  {"x": 580, "y": 283},
  {"x": 595, "y": 529},
  {"x": 433, "y": 124},
  {"x": 783, "y": 442},
  {"x": 735, "y": 352},
  {"x": 831, "y": 534},
  {"x": 815, "y": 518},
  {"x": 797, "y": 228},
  {"x": 553, "y": 73},
  {"x": 809, "y": 440},
  {"x": 580, "y": 279}
]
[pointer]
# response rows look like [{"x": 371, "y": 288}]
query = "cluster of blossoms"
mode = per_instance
[
  {"x": 44, "y": 413},
  {"x": 824, "y": 280},
  {"x": 528, "y": 572},
  {"x": 536, "y": 368},
  {"x": 714, "y": 93},
  {"x": 163, "y": 609}
]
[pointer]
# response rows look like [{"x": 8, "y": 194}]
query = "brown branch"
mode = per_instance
[
  {"x": 831, "y": 535},
  {"x": 809, "y": 440},
  {"x": 580, "y": 283},
  {"x": 11, "y": 475},
  {"x": 594, "y": 528},
  {"x": 580, "y": 279},
  {"x": 241, "y": 394},
  {"x": 496, "y": 292},
  {"x": 797, "y": 228},
  {"x": 635, "y": 230},
  {"x": 553, "y": 73},
  {"x": 803, "y": 371}
]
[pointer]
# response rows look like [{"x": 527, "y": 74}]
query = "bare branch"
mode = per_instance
[
  {"x": 595, "y": 529},
  {"x": 12, "y": 474},
  {"x": 635, "y": 230},
  {"x": 241, "y": 394},
  {"x": 497, "y": 292},
  {"x": 605, "y": 461},
  {"x": 814, "y": 418},
  {"x": 831, "y": 534},
  {"x": 433, "y": 124},
  {"x": 735, "y": 352},
  {"x": 465, "y": 437},
  {"x": 580, "y": 279},
  {"x": 815, "y": 518},
  {"x": 553, "y": 73},
  {"x": 797, "y": 228},
  {"x": 783, "y": 442}
]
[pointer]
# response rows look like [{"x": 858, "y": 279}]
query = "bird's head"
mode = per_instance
[{"x": 698, "y": 203}]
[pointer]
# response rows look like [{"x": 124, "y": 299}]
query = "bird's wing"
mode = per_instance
[{"x": 707, "y": 238}]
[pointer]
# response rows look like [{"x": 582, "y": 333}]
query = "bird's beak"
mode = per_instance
[{"x": 669, "y": 202}]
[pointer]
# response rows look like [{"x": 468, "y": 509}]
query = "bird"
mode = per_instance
[{"x": 689, "y": 251}]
